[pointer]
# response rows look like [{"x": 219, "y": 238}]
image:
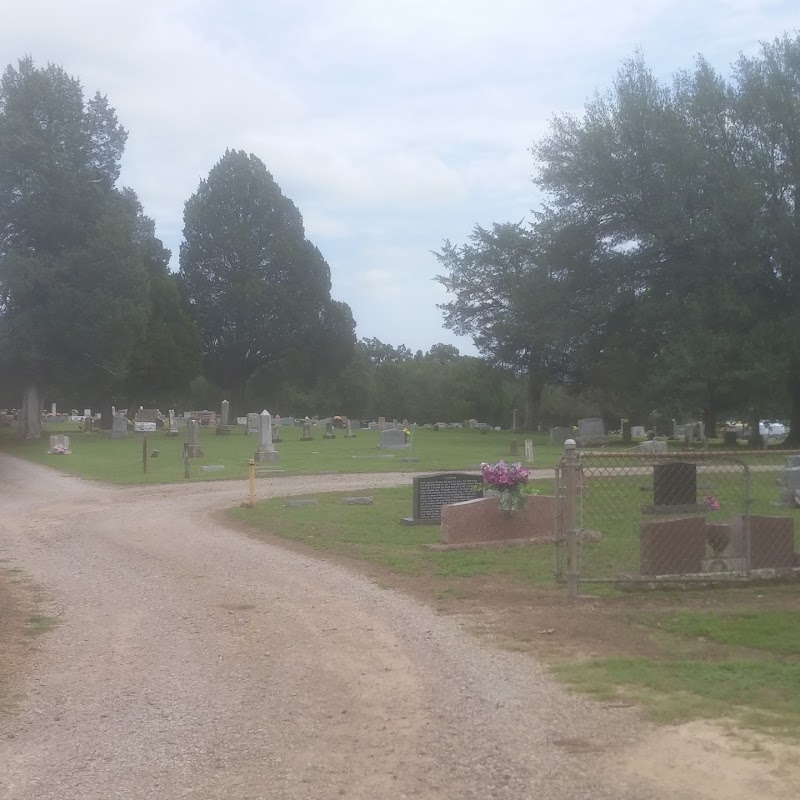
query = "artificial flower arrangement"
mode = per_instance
[{"x": 510, "y": 481}]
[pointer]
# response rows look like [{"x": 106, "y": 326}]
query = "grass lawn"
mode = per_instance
[
  {"x": 375, "y": 534},
  {"x": 728, "y": 653},
  {"x": 97, "y": 456}
]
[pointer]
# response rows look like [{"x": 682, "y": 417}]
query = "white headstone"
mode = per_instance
[
  {"x": 529, "y": 451},
  {"x": 87, "y": 412},
  {"x": 53, "y": 409},
  {"x": 654, "y": 446},
  {"x": 59, "y": 445},
  {"x": 266, "y": 450}
]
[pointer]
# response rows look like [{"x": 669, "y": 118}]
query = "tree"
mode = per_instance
[
  {"x": 72, "y": 282},
  {"x": 257, "y": 289},
  {"x": 169, "y": 354},
  {"x": 768, "y": 104},
  {"x": 662, "y": 179},
  {"x": 509, "y": 297}
]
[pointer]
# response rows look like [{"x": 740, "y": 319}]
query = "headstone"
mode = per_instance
[
  {"x": 193, "y": 434},
  {"x": 241, "y": 421},
  {"x": 529, "y": 451},
  {"x": 672, "y": 547},
  {"x": 791, "y": 481},
  {"x": 173, "y": 423},
  {"x": 674, "y": 485},
  {"x": 59, "y": 445},
  {"x": 652, "y": 446},
  {"x": 473, "y": 423},
  {"x": 253, "y": 423},
  {"x": 393, "y": 439},
  {"x": 771, "y": 542},
  {"x": 329, "y": 434},
  {"x": 560, "y": 435},
  {"x": 306, "y": 435},
  {"x": 405, "y": 423},
  {"x": 88, "y": 424},
  {"x": 276, "y": 433},
  {"x": 119, "y": 426},
  {"x": 361, "y": 500},
  {"x": 381, "y": 423},
  {"x": 431, "y": 492},
  {"x": 514, "y": 421},
  {"x": 287, "y": 421},
  {"x": 53, "y": 409},
  {"x": 266, "y": 450},
  {"x": 224, "y": 428},
  {"x": 349, "y": 431},
  {"x": 146, "y": 415},
  {"x": 591, "y": 432},
  {"x": 625, "y": 429},
  {"x": 87, "y": 412},
  {"x": 678, "y": 431},
  {"x": 144, "y": 427},
  {"x": 303, "y": 502},
  {"x": 637, "y": 431}
]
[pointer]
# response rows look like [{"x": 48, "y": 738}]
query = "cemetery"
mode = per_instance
[{"x": 604, "y": 476}]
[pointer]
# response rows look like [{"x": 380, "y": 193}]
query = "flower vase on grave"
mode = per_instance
[{"x": 511, "y": 499}]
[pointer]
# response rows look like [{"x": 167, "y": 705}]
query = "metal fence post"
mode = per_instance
[
  {"x": 252, "y": 476},
  {"x": 571, "y": 473}
]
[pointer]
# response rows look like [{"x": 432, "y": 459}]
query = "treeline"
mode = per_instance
[
  {"x": 89, "y": 311},
  {"x": 663, "y": 273},
  {"x": 660, "y": 279}
]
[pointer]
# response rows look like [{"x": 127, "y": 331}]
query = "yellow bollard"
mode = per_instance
[{"x": 252, "y": 483}]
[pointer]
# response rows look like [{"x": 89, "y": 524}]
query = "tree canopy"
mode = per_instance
[{"x": 257, "y": 288}]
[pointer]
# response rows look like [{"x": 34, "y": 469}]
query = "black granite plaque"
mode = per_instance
[{"x": 431, "y": 492}]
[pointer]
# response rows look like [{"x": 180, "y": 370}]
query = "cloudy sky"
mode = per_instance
[{"x": 392, "y": 126}]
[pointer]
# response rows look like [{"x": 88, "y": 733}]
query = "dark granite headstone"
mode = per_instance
[
  {"x": 431, "y": 492},
  {"x": 674, "y": 484}
]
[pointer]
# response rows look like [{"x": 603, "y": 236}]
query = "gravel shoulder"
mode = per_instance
[{"x": 194, "y": 661}]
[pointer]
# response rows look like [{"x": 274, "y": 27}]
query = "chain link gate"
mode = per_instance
[{"x": 631, "y": 516}]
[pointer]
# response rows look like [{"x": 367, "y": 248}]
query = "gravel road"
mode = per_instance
[{"x": 194, "y": 661}]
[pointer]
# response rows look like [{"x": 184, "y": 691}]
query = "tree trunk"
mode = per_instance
[
  {"x": 793, "y": 438},
  {"x": 106, "y": 417},
  {"x": 533, "y": 398},
  {"x": 236, "y": 400},
  {"x": 754, "y": 440},
  {"x": 710, "y": 423},
  {"x": 30, "y": 421}
]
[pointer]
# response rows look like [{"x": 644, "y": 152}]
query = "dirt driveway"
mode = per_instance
[{"x": 193, "y": 661}]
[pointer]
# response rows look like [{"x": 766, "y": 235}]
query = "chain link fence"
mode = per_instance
[{"x": 631, "y": 516}]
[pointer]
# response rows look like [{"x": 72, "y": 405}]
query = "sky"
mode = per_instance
[{"x": 392, "y": 126}]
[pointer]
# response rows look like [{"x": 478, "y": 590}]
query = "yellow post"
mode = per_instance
[{"x": 252, "y": 483}]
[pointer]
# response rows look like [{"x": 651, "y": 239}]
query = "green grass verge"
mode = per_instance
[
  {"x": 98, "y": 457},
  {"x": 375, "y": 534},
  {"x": 758, "y": 694},
  {"x": 744, "y": 666}
]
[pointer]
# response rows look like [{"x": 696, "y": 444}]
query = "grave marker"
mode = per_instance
[
  {"x": 119, "y": 427},
  {"x": 193, "y": 449},
  {"x": 393, "y": 439},
  {"x": 431, "y": 492},
  {"x": 266, "y": 450}
]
